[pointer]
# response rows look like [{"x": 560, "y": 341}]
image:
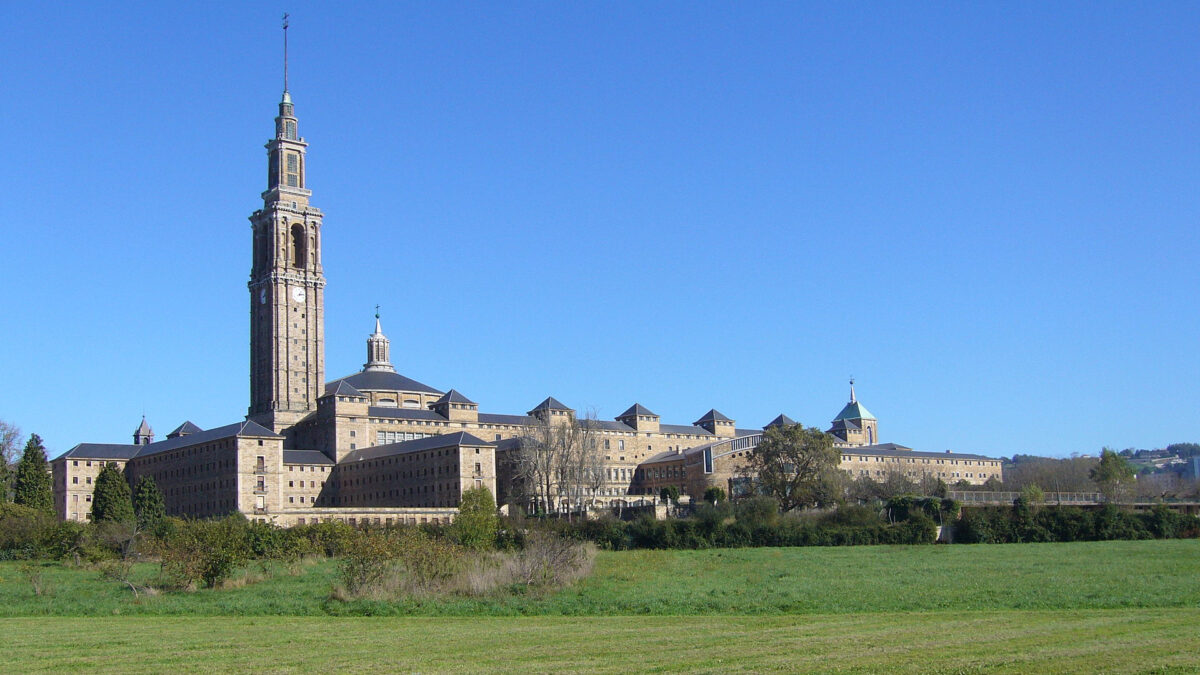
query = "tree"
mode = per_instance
[
  {"x": 32, "y": 483},
  {"x": 148, "y": 506},
  {"x": 669, "y": 494},
  {"x": 477, "y": 523},
  {"x": 1112, "y": 475},
  {"x": 796, "y": 465},
  {"x": 111, "y": 500},
  {"x": 10, "y": 439},
  {"x": 714, "y": 495},
  {"x": 559, "y": 462}
]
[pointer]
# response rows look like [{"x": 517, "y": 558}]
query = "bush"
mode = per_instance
[
  {"x": 714, "y": 495},
  {"x": 477, "y": 523},
  {"x": 757, "y": 511},
  {"x": 367, "y": 561},
  {"x": 24, "y": 531},
  {"x": 207, "y": 551}
]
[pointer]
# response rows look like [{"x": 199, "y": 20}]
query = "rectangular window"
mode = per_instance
[{"x": 293, "y": 170}]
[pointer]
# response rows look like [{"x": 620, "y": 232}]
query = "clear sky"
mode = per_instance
[{"x": 985, "y": 212}]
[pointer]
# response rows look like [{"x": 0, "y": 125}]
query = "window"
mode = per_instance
[
  {"x": 289, "y": 132},
  {"x": 293, "y": 169},
  {"x": 75, "y": 480},
  {"x": 620, "y": 445}
]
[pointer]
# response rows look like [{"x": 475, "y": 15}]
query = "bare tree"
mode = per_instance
[
  {"x": 559, "y": 462},
  {"x": 536, "y": 461}
]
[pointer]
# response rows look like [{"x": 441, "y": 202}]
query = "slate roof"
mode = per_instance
[
  {"x": 839, "y": 425},
  {"x": 683, "y": 429},
  {"x": 550, "y": 403},
  {"x": 405, "y": 413},
  {"x": 125, "y": 452},
  {"x": 418, "y": 445},
  {"x": 493, "y": 418},
  {"x": 854, "y": 411},
  {"x": 342, "y": 388},
  {"x": 453, "y": 396},
  {"x": 636, "y": 409},
  {"x": 184, "y": 429},
  {"x": 781, "y": 421},
  {"x": 237, "y": 429},
  {"x": 746, "y": 432},
  {"x": 379, "y": 380},
  {"x": 713, "y": 416},
  {"x": 101, "y": 451},
  {"x": 896, "y": 450},
  {"x": 144, "y": 428},
  {"x": 605, "y": 425},
  {"x": 305, "y": 457}
]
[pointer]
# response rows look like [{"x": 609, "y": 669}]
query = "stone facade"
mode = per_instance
[{"x": 377, "y": 447}]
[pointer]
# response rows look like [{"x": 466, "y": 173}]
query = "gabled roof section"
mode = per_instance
[
  {"x": 550, "y": 403},
  {"x": 636, "y": 409},
  {"x": 606, "y": 425},
  {"x": 101, "y": 451},
  {"x": 713, "y": 416},
  {"x": 428, "y": 443},
  {"x": 342, "y": 388},
  {"x": 305, "y": 457},
  {"x": 454, "y": 396},
  {"x": 494, "y": 418},
  {"x": 405, "y": 413},
  {"x": 844, "y": 425},
  {"x": 781, "y": 421},
  {"x": 185, "y": 429},
  {"x": 237, "y": 429},
  {"x": 687, "y": 429},
  {"x": 854, "y": 411},
  {"x": 144, "y": 428},
  {"x": 379, "y": 380}
]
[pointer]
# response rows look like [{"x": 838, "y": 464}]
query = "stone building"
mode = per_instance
[{"x": 376, "y": 446}]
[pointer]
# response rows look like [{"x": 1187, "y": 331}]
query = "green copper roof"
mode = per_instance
[{"x": 854, "y": 411}]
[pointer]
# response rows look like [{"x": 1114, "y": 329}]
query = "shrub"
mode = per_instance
[
  {"x": 757, "y": 511},
  {"x": 367, "y": 560},
  {"x": 476, "y": 525},
  {"x": 714, "y": 495},
  {"x": 206, "y": 551},
  {"x": 24, "y": 531},
  {"x": 428, "y": 561}
]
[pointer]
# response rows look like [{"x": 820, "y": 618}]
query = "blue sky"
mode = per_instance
[{"x": 985, "y": 212}]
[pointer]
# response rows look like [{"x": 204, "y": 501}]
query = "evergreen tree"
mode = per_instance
[
  {"x": 32, "y": 485},
  {"x": 111, "y": 499},
  {"x": 148, "y": 504}
]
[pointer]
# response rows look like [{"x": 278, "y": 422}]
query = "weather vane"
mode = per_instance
[
  {"x": 376, "y": 311},
  {"x": 285, "y": 27}
]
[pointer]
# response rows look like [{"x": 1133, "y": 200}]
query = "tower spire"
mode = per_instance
[
  {"x": 378, "y": 357},
  {"x": 852, "y": 389},
  {"x": 285, "y": 54}
]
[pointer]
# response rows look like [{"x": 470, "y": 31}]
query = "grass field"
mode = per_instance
[{"x": 1083, "y": 607}]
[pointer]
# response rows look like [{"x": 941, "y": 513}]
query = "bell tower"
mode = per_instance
[{"x": 287, "y": 285}]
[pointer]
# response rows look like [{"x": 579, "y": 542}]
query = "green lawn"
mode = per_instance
[
  {"x": 1086, "y": 575},
  {"x": 1089, "y": 641},
  {"x": 1083, "y": 607}
]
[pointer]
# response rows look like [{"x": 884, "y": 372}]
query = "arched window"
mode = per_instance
[{"x": 298, "y": 245}]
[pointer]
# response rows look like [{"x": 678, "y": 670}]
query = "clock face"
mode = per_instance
[
  {"x": 298, "y": 294},
  {"x": 262, "y": 297}
]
